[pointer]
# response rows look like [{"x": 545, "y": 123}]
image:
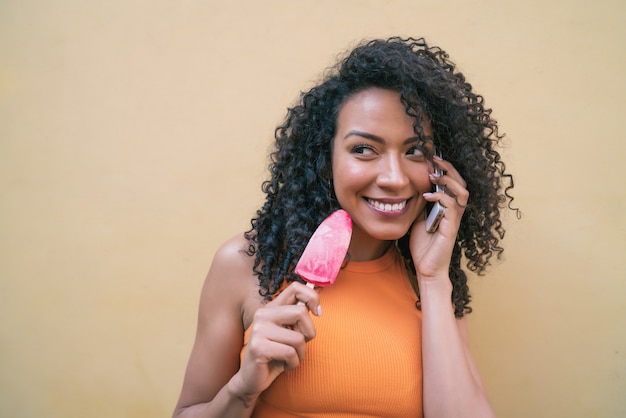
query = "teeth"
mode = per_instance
[{"x": 387, "y": 207}]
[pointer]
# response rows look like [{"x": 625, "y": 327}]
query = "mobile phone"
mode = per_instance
[{"x": 436, "y": 210}]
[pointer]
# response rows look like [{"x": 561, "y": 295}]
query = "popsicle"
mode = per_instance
[{"x": 324, "y": 254}]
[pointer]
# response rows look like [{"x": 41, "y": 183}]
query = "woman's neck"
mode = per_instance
[{"x": 364, "y": 249}]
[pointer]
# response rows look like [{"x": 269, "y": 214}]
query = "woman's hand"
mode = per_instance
[
  {"x": 280, "y": 331},
  {"x": 432, "y": 251}
]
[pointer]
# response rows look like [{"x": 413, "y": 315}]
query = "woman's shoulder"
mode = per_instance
[
  {"x": 232, "y": 263},
  {"x": 231, "y": 279},
  {"x": 234, "y": 251}
]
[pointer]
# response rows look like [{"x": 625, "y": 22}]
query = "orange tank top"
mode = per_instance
[{"x": 366, "y": 357}]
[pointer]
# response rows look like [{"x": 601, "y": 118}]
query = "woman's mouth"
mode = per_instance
[{"x": 387, "y": 207}]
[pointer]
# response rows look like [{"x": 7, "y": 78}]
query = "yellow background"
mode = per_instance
[{"x": 133, "y": 141}]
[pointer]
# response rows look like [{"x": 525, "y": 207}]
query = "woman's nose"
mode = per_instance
[{"x": 392, "y": 173}]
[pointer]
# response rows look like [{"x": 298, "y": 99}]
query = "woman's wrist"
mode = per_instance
[
  {"x": 435, "y": 288},
  {"x": 235, "y": 391}
]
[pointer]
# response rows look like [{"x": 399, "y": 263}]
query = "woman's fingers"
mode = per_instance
[
  {"x": 453, "y": 186},
  {"x": 449, "y": 170},
  {"x": 281, "y": 329},
  {"x": 452, "y": 193},
  {"x": 269, "y": 342},
  {"x": 287, "y": 317},
  {"x": 278, "y": 337},
  {"x": 298, "y": 292}
]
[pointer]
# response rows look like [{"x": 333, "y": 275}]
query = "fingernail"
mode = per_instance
[
  {"x": 438, "y": 158},
  {"x": 319, "y": 310},
  {"x": 427, "y": 194}
]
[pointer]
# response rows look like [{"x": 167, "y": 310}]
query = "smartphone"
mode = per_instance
[{"x": 437, "y": 210}]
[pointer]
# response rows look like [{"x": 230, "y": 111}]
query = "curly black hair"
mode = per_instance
[{"x": 300, "y": 195}]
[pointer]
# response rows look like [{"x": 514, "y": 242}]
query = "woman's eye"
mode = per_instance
[
  {"x": 416, "y": 152},
  {"x": 363, "y": 149}
]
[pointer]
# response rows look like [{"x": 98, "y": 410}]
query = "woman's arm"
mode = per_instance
[
  {"x": 452, "y": 385},
  {"x": 207, "y": 389},
  {"x": 215, "y": 385}
]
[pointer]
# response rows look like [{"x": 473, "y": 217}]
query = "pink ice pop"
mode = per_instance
[{"x": 324, "y": 254}]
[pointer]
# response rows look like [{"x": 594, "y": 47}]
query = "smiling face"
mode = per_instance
[{"x": 379, "y": 169}]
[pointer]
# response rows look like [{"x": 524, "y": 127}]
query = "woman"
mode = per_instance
[{"x": 392, "y": 339}]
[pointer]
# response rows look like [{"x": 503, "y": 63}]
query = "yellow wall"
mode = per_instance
[{"x": 133, "y": 137}]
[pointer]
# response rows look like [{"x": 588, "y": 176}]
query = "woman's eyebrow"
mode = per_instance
[{"x": 377, "y": 138}]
